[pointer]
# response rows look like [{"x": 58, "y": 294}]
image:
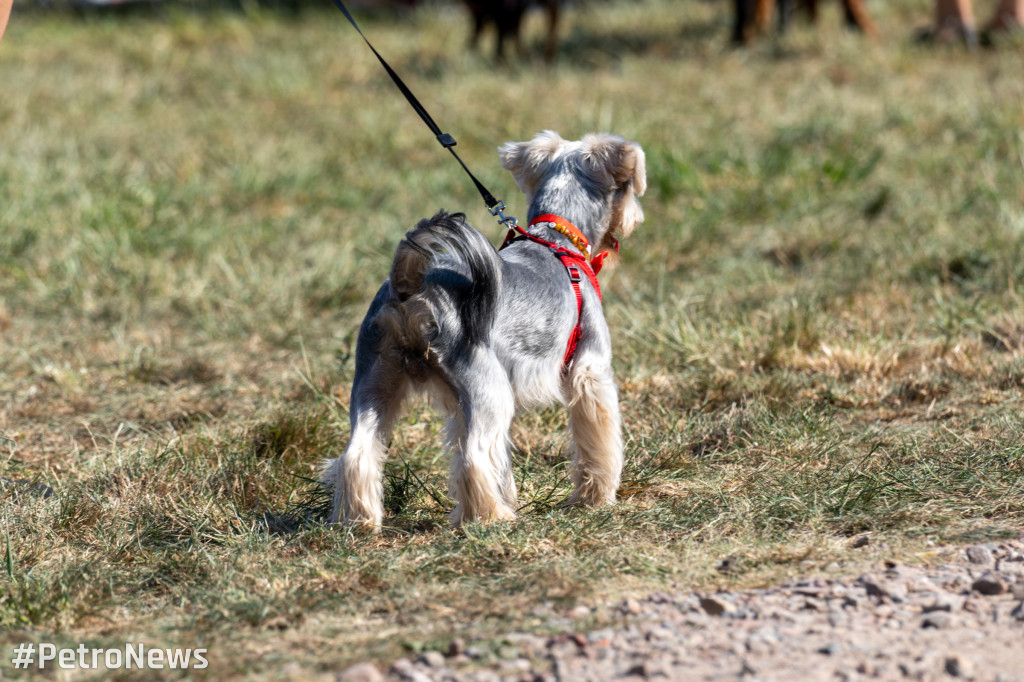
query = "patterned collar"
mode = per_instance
[{"x": 560, "y": 224}]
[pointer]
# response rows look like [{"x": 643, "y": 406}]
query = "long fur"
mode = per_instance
[{"x": 484, "y": 333}]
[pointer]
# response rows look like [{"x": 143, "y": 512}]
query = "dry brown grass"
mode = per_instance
[{"x": 818, "y": 329}]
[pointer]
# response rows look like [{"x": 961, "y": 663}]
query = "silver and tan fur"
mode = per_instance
[{"x": 484, "y": 334}]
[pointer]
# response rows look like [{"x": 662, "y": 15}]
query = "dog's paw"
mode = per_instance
[
  {"x": 590, "y": 497},
  {"x": 499, "y": 512}
]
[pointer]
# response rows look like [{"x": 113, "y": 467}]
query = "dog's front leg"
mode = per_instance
[{"x": 595, "y": 427}]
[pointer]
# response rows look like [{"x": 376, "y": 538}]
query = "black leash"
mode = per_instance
[{"x": 495, "y": 206}]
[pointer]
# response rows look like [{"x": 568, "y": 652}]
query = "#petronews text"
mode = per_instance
[{"x": 137, "y": 656}]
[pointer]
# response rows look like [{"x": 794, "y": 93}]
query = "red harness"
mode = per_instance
[{"x": 575, "y": 263}]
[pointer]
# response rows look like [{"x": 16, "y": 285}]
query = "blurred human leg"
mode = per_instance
[
  {"x": 5, "y": 11},
  {"x": 954, "y": 20},
  {"x": 1009, "y": 15}
]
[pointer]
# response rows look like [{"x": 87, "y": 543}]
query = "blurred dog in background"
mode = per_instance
[{"x": 507, "y": 17}]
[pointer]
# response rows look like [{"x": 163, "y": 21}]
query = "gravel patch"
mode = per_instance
[{"x": 963, "y": 620}]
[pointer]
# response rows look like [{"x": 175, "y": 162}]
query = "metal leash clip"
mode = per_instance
[{"x": 509, "y": 222}]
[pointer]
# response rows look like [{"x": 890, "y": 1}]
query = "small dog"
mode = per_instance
[{"x": 485, "y": 333}]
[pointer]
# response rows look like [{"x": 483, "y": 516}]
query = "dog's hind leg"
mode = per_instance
[
  {"x": 481, "y": 478},
  {"x": 356, "y": 478},
  {"x": 596, "y": 430}
]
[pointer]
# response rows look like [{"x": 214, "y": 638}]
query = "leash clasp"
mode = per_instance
[
  {"x": 497, "y": 210},
  {"x": 509, "y": 222}
]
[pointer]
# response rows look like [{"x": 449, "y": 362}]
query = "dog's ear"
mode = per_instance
[
  {"x": 529, "y": 161},
  {"x": 621, "y": 165},
  {"x": 618, "y": 162}
]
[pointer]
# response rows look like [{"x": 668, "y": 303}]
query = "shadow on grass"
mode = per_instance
[
  {"x": 589, "y": 49},
  {"x": 160, "y": 9},
  {"x": 313, "y": 508},
  {"x": 402, "y": 485}
]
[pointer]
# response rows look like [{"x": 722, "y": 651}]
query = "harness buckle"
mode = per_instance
[{"x": 574, "y": 274}]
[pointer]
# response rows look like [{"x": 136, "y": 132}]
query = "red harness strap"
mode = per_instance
[{"x": 575, "y": 263}]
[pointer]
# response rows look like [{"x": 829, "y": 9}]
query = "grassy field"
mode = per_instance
[{"x": 819, "y": 329}]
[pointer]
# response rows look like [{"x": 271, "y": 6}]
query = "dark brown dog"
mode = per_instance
[
  {"x": 507, "y": 17},
  {"x": 754, "y": 16}
]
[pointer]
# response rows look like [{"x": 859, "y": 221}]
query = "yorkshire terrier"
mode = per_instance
[{"x": 488, "y": 332}]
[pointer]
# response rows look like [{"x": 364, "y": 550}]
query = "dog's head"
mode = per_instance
[{"x": 608, "y": 167}]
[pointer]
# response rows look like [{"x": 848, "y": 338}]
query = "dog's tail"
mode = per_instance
[{"x": 444, "y": 253}]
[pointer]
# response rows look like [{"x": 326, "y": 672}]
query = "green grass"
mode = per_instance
[{"x": 818, "y": 329}]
